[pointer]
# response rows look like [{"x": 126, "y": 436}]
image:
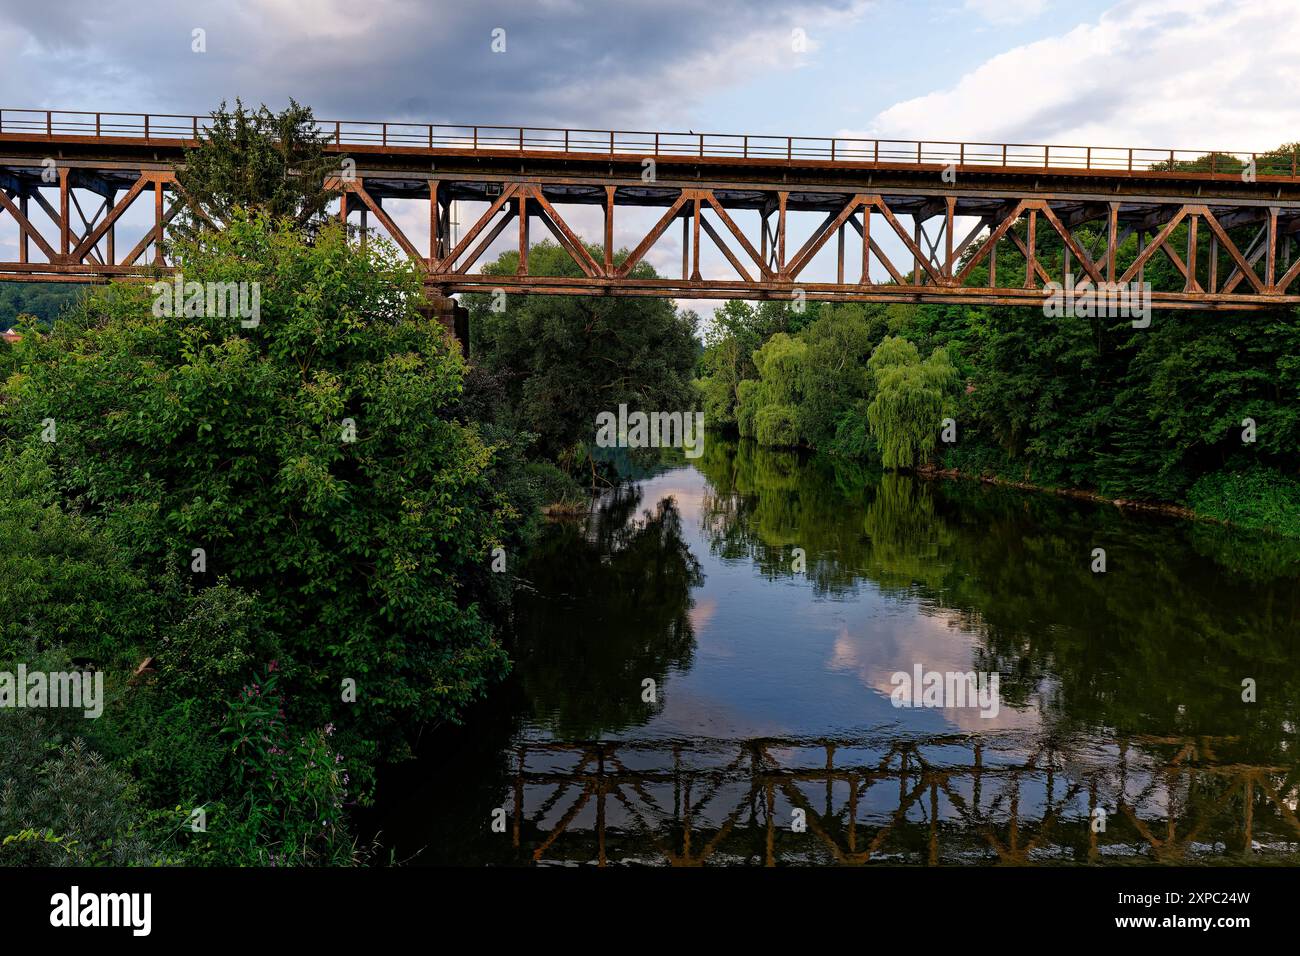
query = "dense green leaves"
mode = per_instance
[
  {"x": 256, "y": 160},
  {"x": 560, "y": 360},
  {"x": 1145, "y": 412},
  {"x": 906, "y": 411},
  {"x": 186, "y": 433}
]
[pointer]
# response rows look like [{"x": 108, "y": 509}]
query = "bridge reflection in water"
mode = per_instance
[{"x": 929, "y": 801}]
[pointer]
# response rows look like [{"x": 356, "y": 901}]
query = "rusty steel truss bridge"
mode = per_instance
[
  {"x": 945, "y": 800},
  {"x": 885, "y": 220}
]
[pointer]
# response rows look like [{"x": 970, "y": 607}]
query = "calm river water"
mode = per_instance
[{"x": 772, "y": 599}]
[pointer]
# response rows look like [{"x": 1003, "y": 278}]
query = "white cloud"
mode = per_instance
[
  {"x": 1006, "y": 11},
  {"x": 1192, "y": 74}
]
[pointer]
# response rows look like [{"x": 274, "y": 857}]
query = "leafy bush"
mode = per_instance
[
  {"x": 289, "y": 787},
  {"x": 368, "y": 556},
  {"x": 774, "y": 426},
  {"x": 1256, "y": 498},
  {"x": 212, "y": 644},
  {"x": 64, "y": 805},
  {"x": 62, "y": 581}
]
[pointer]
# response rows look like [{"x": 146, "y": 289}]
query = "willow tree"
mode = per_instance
[{"x": 910, "y": 396}]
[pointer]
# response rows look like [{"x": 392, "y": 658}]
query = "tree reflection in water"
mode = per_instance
[{"x": 1134, "y": 676}]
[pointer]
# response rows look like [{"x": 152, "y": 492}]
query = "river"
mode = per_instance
[{"x": 707, "y": 669}]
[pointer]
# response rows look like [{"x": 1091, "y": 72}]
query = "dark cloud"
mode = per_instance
[{"x": 567, "y": 62}]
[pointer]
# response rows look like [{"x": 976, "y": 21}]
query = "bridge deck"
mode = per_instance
[{"x": 914, "y": 221}]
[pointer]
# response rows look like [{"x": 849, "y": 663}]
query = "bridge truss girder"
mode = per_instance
[
  {"x": 938, "y": 267},
  {"x": 1170, "y": 800},
  {"x": 1236, "y": 252}
]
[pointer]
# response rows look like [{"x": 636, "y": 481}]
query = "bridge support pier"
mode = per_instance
[{"x": 453, "y": 316}]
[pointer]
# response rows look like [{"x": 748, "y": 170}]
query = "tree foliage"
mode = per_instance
[
  {"x": 197, "y": 433},
  {"x": 561, "y": 360},
  {"x": 905, "y": 413},
  {"x": 260, "y": 161}
]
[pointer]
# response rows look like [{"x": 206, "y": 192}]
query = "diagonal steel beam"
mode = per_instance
[
  {"x": 653, "y": 235},
  {"x": 1161, "y": 238},
  {"x": 564, "y": 235},
  {"x": 994, "y": 238},
  {"x": 358, "y": 187},
  {"x": 97, "y": 233},
  {"x": 448, "y": 261},
  {"x": 27, "y": 228}
]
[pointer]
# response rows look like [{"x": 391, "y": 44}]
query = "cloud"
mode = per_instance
[
  {"x": 1194, "y": 74},
  {"x": 1004, "y": 12},
  {"x": 566, "y": 62}
]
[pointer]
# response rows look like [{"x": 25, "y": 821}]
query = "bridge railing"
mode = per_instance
[{"x": 171, "y": 127}]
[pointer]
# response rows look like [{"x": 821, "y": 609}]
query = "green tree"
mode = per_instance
[
  {"x": 256, "y": 160},
  {"x": 904, "y": 416},
  {"x": 769, "y": 405},
  {"x": 314, "y": 457},
  {"x": 563, "y": 359}
]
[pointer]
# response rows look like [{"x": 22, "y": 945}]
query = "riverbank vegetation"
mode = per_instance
[
  {"x": 279, "y": 536},
  {"x": 1199, "y": 409}
]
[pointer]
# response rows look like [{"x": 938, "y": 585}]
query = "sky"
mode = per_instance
[{"x": 1187, "y": 74}]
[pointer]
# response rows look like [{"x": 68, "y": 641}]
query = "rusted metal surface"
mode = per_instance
[
  {"x": 914, "y": 222},
  {"x": 171, "y": 129},
  {"x": 948, "y": 800}
]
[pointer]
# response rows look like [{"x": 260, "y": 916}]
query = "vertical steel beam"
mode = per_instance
[
  {"x": 993, "y": 259},
  {"x": 22, "y": 233},
  {"x": 1112, "y": 240},
  {"x": 64, "y": 234},
  {"x": 1270, "y": 277},
  {"x": 609, "y": 230},
  {"x": 1031, "y": 249},
  {"x": 839, "y": 255},
  {"x": 157, "y": 222},
  {"x": 781, "y": 198},
  {"x": 686, "y": 244},
  {"x": 695, "y": 241},
  {"x": 435, "y": 247},
  {"x": 523, "y": 234},
  {"x": 1214, "y": 263},
  {"x": 948, "y": 263}
]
